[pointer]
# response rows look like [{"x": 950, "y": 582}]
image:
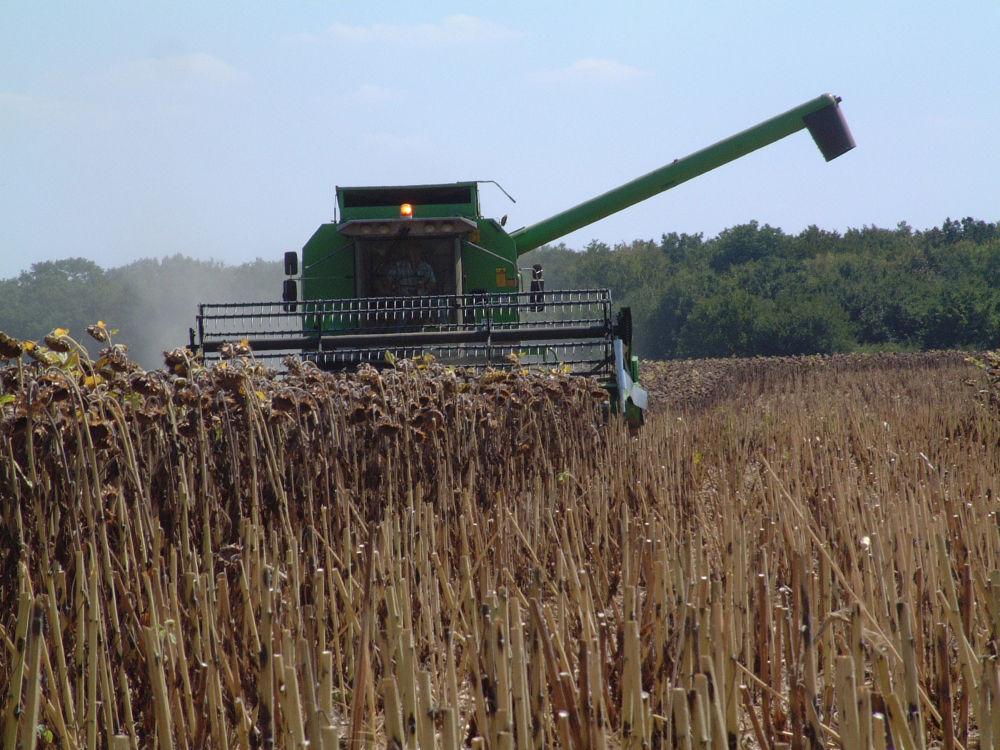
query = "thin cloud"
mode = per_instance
[
  {"x": 300, "y": 37},
  {"x": 457, "y": 29},
  {"x": 79, "y": 112},
  {"x": 371, "y": 93},
  {"x": 198, "y": 67},
  {"x": 27, "y": 106},
  {"x": 595, "y": 69}
]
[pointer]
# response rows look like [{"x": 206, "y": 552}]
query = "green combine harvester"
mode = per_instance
[{"x": 416, "y": 269}]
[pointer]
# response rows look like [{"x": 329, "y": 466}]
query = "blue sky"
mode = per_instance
[{"x": 132, "y": 130}]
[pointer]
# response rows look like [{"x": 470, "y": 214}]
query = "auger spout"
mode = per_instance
[{"x": 821, "y": 116}]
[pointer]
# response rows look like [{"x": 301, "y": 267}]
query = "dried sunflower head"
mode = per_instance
[
  {"x": 58, "y": 340},
  {"x": 359, "y": 415},
  {"x": 188, "y": 428},
  {"x": 428, "y": 418},
  {"x": 146, "y": 384},
  {"x": 10, "y": 348},
  {"x": 115, "y": 358},
  {"x": 282, "y": 402},
  {"x": 189, "y": 394},
  {"x": 229, "y": 380},
  {"x": 231, "y": 350},
  {"x": 493, "y": 376},
  {"x": 56, "y": 386},
  {"x": 178, "y": 356},
  {"x": 99, "y": 331},
  {"x": 38, "y": 353},
  {"x": 368, "y": 374},
  {"x": 100, "y": 430},
  {"x": 598, "y": 393},
  {"x": 386, "y": 426},
  {"x": 8, "y": 379}
]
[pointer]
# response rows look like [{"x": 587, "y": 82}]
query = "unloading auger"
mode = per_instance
[{"x": 416, "y": 269}]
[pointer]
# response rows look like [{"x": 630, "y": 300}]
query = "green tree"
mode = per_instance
[{"x": 71, "y": 293}]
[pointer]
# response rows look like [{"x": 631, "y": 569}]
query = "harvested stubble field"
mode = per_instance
[
  {"x": 419, "y": 558},
  {"x": 696, "y": 384}
]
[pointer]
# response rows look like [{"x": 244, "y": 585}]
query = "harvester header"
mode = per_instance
[{"x": 411, "y": 269}]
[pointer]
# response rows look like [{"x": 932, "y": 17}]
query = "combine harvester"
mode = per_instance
[{"x": 415, "y": 269}]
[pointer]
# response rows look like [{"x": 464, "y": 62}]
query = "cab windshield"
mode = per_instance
[{"x": 405, "y": 267}]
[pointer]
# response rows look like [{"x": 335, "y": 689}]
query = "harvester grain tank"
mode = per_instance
[{"x": 416, "y": 269}]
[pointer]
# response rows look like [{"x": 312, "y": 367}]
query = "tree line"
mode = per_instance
[
  {"x": 756, "y": 290},
  {"x": 151, "y": 303},
  {"x": 751, "y": 290}
]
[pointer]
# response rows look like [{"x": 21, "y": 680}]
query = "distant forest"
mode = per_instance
[
  {"x": 152, "y": 303},
  {"x": 755, "y": 290},
  {"x": 750, "y": 290}
]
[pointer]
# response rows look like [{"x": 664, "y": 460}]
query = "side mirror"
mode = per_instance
[
  {"x": 290, "y": 295},
  {"x": 291, "y": 264},
  {"x": 503, "y": 220},
  {"x": 537, "y": 288}
]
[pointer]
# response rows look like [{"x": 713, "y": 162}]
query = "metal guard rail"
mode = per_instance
[{"x": 571, "y": 327}]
